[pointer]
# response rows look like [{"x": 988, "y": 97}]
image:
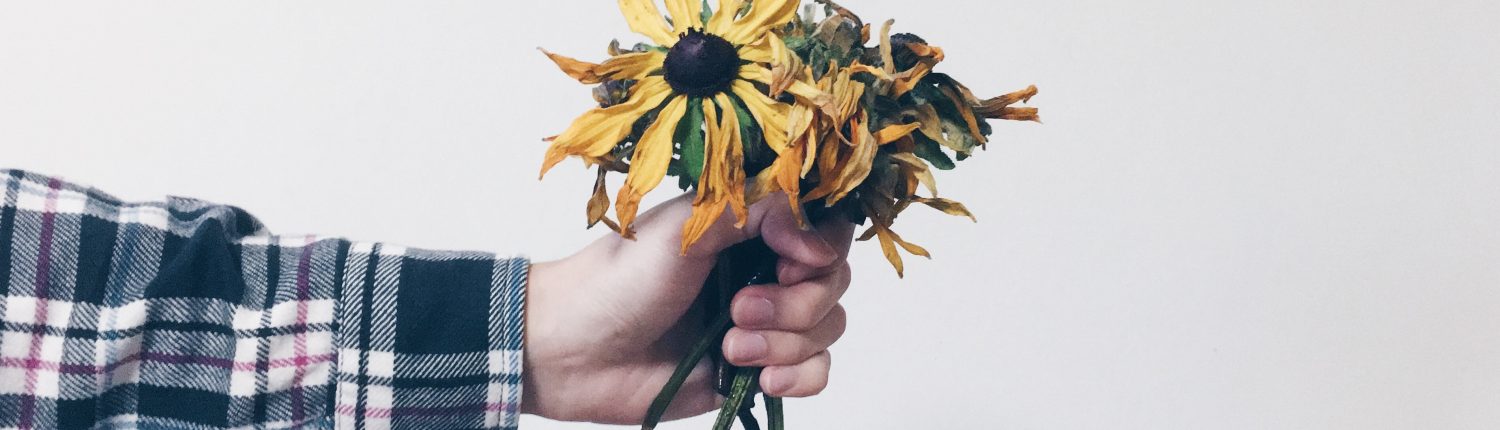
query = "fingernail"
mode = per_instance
[
  {"x": 748, "y": 347},
  {"x": 755, "y": 312},
  {"x": 779, "y": 381}
]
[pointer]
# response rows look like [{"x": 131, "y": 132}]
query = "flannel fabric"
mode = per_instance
[{"x": 185, "y": 314}]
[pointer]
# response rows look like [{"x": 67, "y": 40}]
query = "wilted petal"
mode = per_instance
[
  {"x": 724, "y": 16},
  {"x": 918, "y": 168},
  {"x": 685, "y": 14},
  {"x": 763, "y": 16},
  {"x": 860, "y": 162},
  {"x": 644, "y": 18},
  {"x": 892, "y": 133},
  {"x": 964, "y": 109},
  {"x": 888, "y": 247},
  {"x": 597, "y": 131},
  {"x": 998, "y": 107},
  {"x": 649, "y": 163},
  {"x": 949, "y": 207},
  {"x": 599, "y": 204},
  {"x": 633, "y": 65},
  {"x": 769, "y": 114},
  {"x": 581, "y": 70}
]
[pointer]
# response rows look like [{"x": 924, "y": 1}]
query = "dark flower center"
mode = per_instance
[{"x": 701, "y": 64}]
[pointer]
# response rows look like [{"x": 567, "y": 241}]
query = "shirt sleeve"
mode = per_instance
[{"x": 186, "y": 314}]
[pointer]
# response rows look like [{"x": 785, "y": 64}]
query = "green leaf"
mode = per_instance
[
  {"x": 707, "y": 13},
  {"x": 929, "y": 150},
  {"x": 690, "y": 134}
]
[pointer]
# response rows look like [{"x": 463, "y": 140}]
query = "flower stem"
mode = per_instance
[
  {"x": 747, "y": 413},
  {"x": 684, "y": 368},
  {"x": 774, "y": 417},
  {"x": 737, "y": 393}
]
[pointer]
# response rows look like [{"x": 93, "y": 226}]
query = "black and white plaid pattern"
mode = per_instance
[{"x": 184, "y": 314}]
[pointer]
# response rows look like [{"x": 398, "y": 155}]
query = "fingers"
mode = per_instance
[
  {"x": 783, "y": 233},
  {"x": 762, "y": 348},
  {"x": 804, "y": 379},
  {"x": 796, "y": 308},
  {"x": 837, "y": 233}
]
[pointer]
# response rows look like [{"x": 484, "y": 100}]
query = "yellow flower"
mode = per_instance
[{"x": 710, "y": 66}]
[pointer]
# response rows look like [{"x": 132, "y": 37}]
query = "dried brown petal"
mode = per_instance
[{"x": 947, "y": 206}]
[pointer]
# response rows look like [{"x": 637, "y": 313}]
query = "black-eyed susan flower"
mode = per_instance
[
  {"x": 750, "y": 98},
  {"x": 697, "y": 87}
]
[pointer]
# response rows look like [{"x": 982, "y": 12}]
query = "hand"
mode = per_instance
[{"x": 606, "y": 327}]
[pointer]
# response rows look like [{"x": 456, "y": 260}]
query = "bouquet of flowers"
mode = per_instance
[{"x": 751, "y": 98}]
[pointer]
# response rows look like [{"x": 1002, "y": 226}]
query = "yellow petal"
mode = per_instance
[
  {"x": 599, "y": 204},
  {"x": 649, "y": 163},
  {"x": 767, "y": 49},
  {"x": 685, "y": 14},
  {"x": 597, "y": 131},
  {"x": 580, "y": 70},
  {"x": 849, "y": 95},
  {"x": 910, "y": 247},
  {"x": 888, "y": 247},
  {"x": 998, "y": 107},
  {"x": 918, "y": 168},
  {"x": 811, "y": 148},
  {"x": 723, "y": 177},
  {"x": 892, "y": 133},
  {"x": 833, "y": 157},
  {"x": 646, "y": 19},
  {"x": 788, "y": 171},
  {"x": 909, "y": 79},
  {"x": 634, "y": 65},
  {"x": 734, "y": 151},
  {"x": 804, "y": 91},
  {"x": 860, "y": 163},
  {"x": 763, "y": 16},
  {"x": 724, "y": 15},
  {"x": 1019, "y": 114},
  {"x": 768, "y": 113}
]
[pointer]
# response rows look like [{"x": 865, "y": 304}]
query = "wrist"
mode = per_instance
[{"x": 551, "y": 366}]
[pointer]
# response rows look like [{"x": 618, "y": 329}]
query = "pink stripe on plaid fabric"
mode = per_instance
[
  {"x": 299, "y": 345},
  {"x": 86, "y": 369},
  {"x": 43, "y": 275},
  {"x": 376, "y": 412}
]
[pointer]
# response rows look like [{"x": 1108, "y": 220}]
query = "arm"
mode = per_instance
[{"x": 181, "y": 313}]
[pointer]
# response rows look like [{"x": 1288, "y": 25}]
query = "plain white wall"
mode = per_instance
[{"x": 1239, "y": 214}]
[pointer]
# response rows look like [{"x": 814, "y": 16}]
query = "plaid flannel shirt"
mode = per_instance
[{"x": 185, "y": 314}]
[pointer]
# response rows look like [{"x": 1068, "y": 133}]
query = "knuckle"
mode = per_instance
[
  {"x": 839, "y": 318},
  {"x": 805, "y": 318},
  {"x": 819, "y": 382}
]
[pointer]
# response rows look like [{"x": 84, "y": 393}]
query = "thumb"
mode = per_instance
[
  {"x": 654, "y": 280},
  {"x": 771, "y": 219}
]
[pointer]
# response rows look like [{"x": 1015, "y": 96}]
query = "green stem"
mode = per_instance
[
  {"x": 737, "y": 394},
  {"x": 747, "y": 414},
  {"x": 685, "y": 367},
  {"x": 774, "y": 417}
]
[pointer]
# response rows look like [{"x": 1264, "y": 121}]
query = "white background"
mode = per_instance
[{"x": 1238, "y": 215}]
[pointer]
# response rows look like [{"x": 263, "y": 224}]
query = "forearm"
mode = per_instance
[{"x": 180, "y": 313}]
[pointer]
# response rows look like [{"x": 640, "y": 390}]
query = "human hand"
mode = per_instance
[{"x": 606, "y": 327}]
